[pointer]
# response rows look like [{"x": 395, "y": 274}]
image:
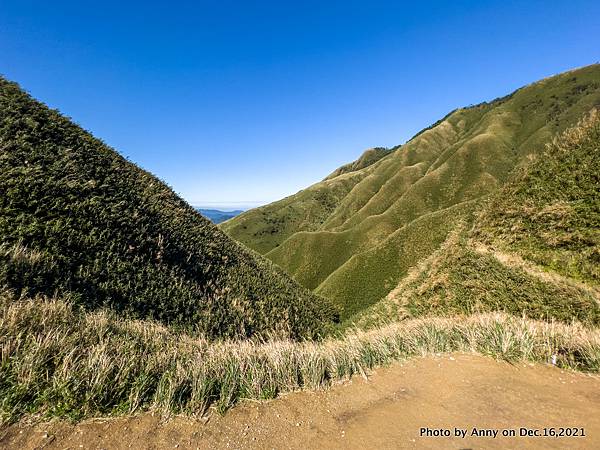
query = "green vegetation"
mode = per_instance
[
  {"x": 550, "y": 214},
  {"x": 533, "y": 249},
  {"x": 58, "y": 361},
  {"x": 391, "y": 260},
  {"x": 78, "y": 220},
  {"x": 266, "y": 227},
  {"x": 396, "y": 211},
  {"x": 467, "y": 238},
  {"x": 368, "y": 158},
  {"x": 462, "y": 279}
]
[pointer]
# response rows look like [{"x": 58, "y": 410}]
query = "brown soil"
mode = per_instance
[{"x": 387, "y": 411}]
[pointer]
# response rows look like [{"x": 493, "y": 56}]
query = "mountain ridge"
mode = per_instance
[
  {"x": 80, "y": 221},
  {"x": 533, "y": 248},
  {"x": 465, "y": 156}
]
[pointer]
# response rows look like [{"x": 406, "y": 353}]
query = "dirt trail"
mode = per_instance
[
  {"x": 387, "y": 411},
  {"x": 514, "y": 260}
]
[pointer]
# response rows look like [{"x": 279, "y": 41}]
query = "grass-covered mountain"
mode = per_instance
[
  {"x": 355, "y": 236},
  {"x": 474, "y": 214},
  {"x": 369, "y": 157},
  {"x": 79, "y": 221},
  {"x": 534, "y": 247}
]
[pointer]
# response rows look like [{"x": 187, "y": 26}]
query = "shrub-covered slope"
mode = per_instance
[
  {"x": 78, "y": 220},
  {"x": 534, "y": 248},
  {"x": 550, "y": 212},
  {"x": 438, "y": 177}
]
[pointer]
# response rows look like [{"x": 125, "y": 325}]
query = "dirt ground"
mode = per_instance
[{"x": 387, "y": 411}]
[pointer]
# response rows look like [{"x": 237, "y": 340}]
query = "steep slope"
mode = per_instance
[
  {"x": 368, "y": 158},
  {"x": 534, "y": 249},
  {"x": 382, "y": 214},
  {"x": 78, "y": 220},
  {"x": 266, "y": 227},
  {"x": 550, "y": 212}
]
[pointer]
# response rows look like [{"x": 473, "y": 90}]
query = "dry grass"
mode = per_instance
[{"x": 57, "y": 361}]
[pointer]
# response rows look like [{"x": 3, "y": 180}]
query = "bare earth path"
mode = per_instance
[{"x": 388, "y": 411}]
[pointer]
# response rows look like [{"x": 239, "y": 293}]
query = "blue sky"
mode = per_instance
[{"x": 242, "y": 102}]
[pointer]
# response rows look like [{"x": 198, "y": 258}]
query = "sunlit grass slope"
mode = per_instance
[
  {"x": 79, "y": 220},
  {"x": 266, "y": 227},
  {"x": 59, "y": 362},
  {"x": 362, "y": 245},
  {"x": 550, "y": 212},
  {"x": 534, "y": 249},
  {"x": 368, "y": 158}
]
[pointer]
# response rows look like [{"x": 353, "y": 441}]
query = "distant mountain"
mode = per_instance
[
  {"x": 218, "y": 216},
  {"x": 356, "y": 236},
  {"x": 79, "y": 221}
]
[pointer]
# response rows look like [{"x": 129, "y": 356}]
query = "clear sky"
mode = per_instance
[{"x": 248, "y": 101}]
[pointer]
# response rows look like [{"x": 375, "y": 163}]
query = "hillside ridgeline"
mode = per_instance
[
  {"x": 356, "y": 235},
  {"x": 79, "y": 221},
  {"x": 533, "y": 249}
]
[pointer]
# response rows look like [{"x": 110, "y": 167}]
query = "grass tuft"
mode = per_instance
[{"x": 60, "y": 361}]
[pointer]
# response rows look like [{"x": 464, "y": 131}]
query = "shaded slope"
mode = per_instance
[
  {"x": 79, "y": 220},
  {"x": 533, "y": 250},
  {"x": 464, "y": 157}
]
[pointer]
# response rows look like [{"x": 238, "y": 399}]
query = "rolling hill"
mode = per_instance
[
  {"x": 475, "y": 219},
  {"x": 533, "y": 249},
  {"x": 79, "y": 221},
  {"x": 355, "y": 236}
]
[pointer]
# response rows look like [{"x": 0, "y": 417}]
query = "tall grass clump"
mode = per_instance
[{"x": 60, "y": 361}]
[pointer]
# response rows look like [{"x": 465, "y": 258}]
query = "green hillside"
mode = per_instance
[
  {"x": 266, "y": 227},
  {"x": 550, "y": 212},
  {"x": 369, "y": 157},
  {"x": 353, "y": 237},
  {"x": 534, "y": 248},
  {"x": 79, "y": 221}
]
